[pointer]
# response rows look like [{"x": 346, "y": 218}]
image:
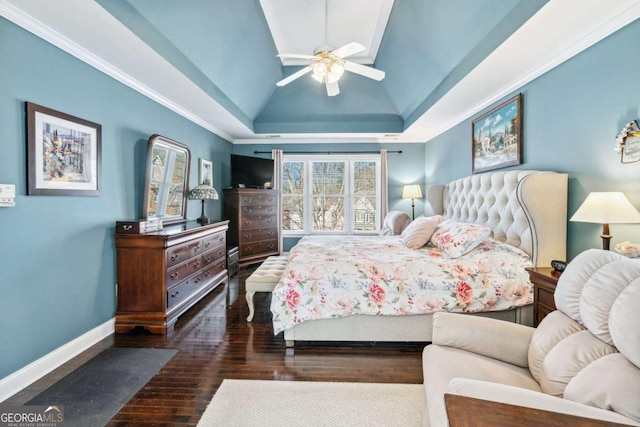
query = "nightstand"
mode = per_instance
[{"x": 545, "y": 280}]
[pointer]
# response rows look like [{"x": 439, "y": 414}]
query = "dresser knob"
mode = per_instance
[
  {"x": 196, "y": 249},
  {"x": 175, "y": 275},
  {"x": 206, "y": 245},
  {"x": 175, "y": 257},
  {"x": 196, "y": 265},
  {"x": 208, "y": 259}
]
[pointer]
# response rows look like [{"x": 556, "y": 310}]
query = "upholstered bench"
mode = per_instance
[{"x": 264, "y": 279}]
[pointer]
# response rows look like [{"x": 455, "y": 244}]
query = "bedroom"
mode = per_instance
[{"x": 572, "y": 114}]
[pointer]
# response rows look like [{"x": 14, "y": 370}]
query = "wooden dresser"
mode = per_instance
[
  {"x": 254, "y": 223},
  {"x": 162, "y": 274}
]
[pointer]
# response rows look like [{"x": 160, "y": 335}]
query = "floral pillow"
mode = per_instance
[
  {"x": 418, "y": 233},
  {"x": 457, "y": 238}
]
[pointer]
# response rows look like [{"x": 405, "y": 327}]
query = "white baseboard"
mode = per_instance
[{"x": 20, "y": 379}]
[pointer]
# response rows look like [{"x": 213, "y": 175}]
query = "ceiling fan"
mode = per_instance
[{"x": 328, "y": 65}]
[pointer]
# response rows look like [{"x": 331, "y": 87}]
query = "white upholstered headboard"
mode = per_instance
[{"x": 526, "y": 209}]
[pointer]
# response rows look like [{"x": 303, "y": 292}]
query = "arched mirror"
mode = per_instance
[{"x": 167, "y": 180}]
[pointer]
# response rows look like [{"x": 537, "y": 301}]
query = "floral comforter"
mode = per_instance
[{"x": 328, "y": 277}]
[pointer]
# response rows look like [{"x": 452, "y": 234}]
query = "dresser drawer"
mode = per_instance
[
  {"x": 248, "y": 249},
  {"x": 258, "y": 210},
  {"x": 213, "y": 241},
  {"x": 213, "y": 256},
  {"x": 181, "y": 292},
  {"x": 249, "y": 236},
  {"x": 215, "y": 268},
  {"x": 179, "y": 273},
  {"x": 181, "y": 253},
  {"x": 256, "y": 222},
  {"x": 258, "y": 199}
]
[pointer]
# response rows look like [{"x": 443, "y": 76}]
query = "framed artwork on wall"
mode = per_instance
[
  {"x": 205, "y": 172},
  {"x": 63, "y": 154},
  {"x": 497, "y": 137}
]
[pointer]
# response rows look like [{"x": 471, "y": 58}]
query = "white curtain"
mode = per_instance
[
  {"x": 278, "y": 160},
  {"x": 384, "y": 190}
]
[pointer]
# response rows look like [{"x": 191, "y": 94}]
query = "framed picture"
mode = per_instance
[
  {"x": 205, "y": 172},
  {"x": 497, "y": 137},
  {"x": 63, "y": 154}
]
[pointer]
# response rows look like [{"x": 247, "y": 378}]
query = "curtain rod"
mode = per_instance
[{"x": 329, "y": 152}]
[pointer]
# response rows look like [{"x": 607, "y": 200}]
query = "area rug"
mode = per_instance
[
  {"x": 96, "y": 391},
  {"x": 302, "y": 403}
]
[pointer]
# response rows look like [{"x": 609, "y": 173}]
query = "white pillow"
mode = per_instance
[
  {"x": 418, "y": 233},
  {"x": 457, "y": 238}
]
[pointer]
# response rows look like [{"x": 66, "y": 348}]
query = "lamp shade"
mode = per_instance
[
  {"x": 203, "y": 192},
  {"x": 411, "y": 192},
  {"x": 606, "y": 208}
]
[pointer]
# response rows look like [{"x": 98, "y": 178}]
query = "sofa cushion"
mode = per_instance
[
  {"x": 568, "y": 357},
  {"x": 441, "y": 364},
  {"x": 611, "y": 383},
  {"x": 623, "y": 320},
  {"x": 555, "y": 327},
  {"x": 579, "y": 271}
]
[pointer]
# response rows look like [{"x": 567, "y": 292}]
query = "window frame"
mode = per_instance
[{"x": 307, "y": 195}]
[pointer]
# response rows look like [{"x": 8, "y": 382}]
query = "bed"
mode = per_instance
[{"x": 526, "y": 214}]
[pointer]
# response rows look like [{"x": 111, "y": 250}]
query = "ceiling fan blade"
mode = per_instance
[
  {"x": 363, "y": 70},
  {"x": 295, "y": 56},
  {"x": 348, "y": 50},
  {"x": 332, "y": 88},
  {"x": 294, "y": 76}
]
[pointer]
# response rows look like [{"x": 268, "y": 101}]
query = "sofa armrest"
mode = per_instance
[
  {"x": 531, "y": 399},
  {"x": 498, "y": 339}
]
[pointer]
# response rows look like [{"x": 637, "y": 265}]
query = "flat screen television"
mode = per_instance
[{"x": 251, "y": 172}]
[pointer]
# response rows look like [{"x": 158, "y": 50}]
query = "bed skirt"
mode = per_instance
[{"x": 410, "y": 328}]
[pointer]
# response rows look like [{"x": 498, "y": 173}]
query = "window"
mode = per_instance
[{"x": 330, "y": 194}]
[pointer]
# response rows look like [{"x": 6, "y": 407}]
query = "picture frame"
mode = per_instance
[
  {"x": 205, "y": 172},
  {"x": 63, "y": 154},
  {"x": 497, "y": 137},
  {"x": 630, "y": 152}
]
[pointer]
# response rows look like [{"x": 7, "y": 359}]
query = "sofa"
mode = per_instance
[
  {"x": 394, "y": 223},
  {"x": 583, "y": 359}
]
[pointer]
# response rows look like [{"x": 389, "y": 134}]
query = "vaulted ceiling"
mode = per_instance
[{"x": 214, "y": 61}]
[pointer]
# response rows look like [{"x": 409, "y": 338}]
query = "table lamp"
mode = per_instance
[
  {"x": 203, "y": 192},
  {"x": 412, "y": 192},
  {"x": 606, "y": 208}
]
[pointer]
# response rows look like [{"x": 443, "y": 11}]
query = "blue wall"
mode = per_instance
[
  {"x": 571, "y": 116},
  {"x": 403, "y": 168},
  {"x": 57, "y": 276}
]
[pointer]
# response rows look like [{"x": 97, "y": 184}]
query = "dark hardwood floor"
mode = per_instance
[{"x": 216, "y": 342}]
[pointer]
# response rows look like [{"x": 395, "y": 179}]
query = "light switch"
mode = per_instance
[{"x": 7, "y": 195}]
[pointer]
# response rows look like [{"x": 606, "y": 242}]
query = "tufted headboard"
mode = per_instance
[{"x": 526, "y": 209}]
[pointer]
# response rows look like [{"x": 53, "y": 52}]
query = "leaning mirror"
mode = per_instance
[{"x": 166, "y": 181}]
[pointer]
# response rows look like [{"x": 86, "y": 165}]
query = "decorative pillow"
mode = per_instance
[
  {"x": 418, "y": 233},
  {"x": 394, "y": 223},
  {"x": 457, "y": 238}
]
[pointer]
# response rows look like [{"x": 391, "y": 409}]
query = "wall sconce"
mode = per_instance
[
  {"x": 203, "y": 192},
  {"x": 412, "y": 192},
  {"x": 606, "y": 208}
]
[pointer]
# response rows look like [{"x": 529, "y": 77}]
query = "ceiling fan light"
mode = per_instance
[
  {"x": 318, "y": 77},
  {"x": 336, "y": 70}
]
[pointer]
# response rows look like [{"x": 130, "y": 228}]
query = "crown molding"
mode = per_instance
[{"x": 38, "y": 28}]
